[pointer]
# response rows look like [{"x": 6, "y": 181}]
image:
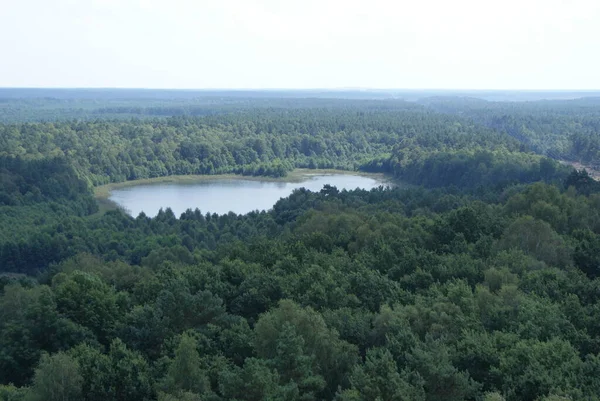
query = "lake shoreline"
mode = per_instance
[
  {"x": 297, "y": 175},
  {"x": 102, "y": 193}
]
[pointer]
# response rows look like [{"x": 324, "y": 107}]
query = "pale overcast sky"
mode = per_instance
[{"x": 442, "y": 44}]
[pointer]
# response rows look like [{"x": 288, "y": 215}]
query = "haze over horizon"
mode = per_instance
[{"x": 268, "y": 44}]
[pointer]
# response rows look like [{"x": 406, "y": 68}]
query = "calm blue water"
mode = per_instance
[{"x": 224, "y": 195}]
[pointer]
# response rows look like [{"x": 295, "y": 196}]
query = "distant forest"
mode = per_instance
[{"x": 479, "y": 281}]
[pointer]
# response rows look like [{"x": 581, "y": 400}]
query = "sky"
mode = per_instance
[{"x": 259, "y": 44}]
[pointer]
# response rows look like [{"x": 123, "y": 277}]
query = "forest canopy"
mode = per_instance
[{"x": 480, "y": 281}]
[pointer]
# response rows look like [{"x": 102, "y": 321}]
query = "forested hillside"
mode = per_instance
[{"x": 479, "y": 282}]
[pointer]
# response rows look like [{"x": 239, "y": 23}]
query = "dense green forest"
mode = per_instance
[
  {"x": 257, "y": 142},
  {"x": 562, "y": 129},
  {"x": 479, "y": 282}
]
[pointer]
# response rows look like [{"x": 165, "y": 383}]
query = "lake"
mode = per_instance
[{"x": 222, "y": 195}]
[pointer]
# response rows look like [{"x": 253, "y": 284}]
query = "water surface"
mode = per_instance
[{"x": 224, "y": 195}]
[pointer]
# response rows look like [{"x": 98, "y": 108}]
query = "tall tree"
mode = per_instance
[
  {"x": 185, "y": 373},
  {"x": 57, "y": 378}
]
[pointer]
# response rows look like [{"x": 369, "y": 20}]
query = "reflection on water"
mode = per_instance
[{"x": 225, "y": 195}]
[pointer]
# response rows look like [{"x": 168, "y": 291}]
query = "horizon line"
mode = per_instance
[{"x": 299, "y": 89}]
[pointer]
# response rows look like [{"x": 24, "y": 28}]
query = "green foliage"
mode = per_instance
[
  {"x": 87, "y": 300},
  {"x": 131, "y": 378},
  {"x": 534, "y": 369},
  {"x": 37, "y": 200},
  {"x": 257, "y": 141},
  {"x": 303, "y": 349},
  {"x": 379, "y": 379},
  {"x": 566, "y": 129},
  {"x": 96, "y": 371},
  {"x": 493, "y": 397},
  {"x": 254, "y": 381},
  {"x": 582, "y": 182},
  {"x": 29, "y": 324},
  {"x": 484, "y": 286},
  {"x": 12, "y": 393},
  {"x": 442, "y": 380},
  {"x": 56, "y": 378},
  {"x": 538, "y": 239},
  {"x": 184, "y": 374},
  {"x": 473, "y": 169}
]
